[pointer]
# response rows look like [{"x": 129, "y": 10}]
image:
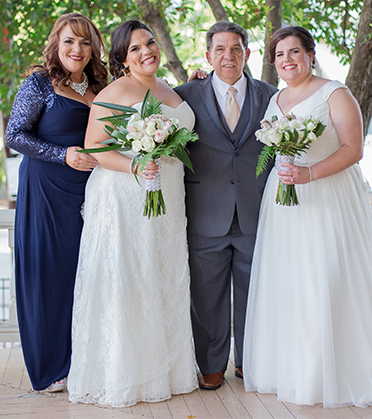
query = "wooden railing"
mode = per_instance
[{"x": 9, "y": 329}]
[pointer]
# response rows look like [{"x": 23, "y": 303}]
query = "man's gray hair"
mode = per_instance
[{"x": 225, "y": 26}]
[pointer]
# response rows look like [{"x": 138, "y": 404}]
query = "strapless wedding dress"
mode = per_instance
[
  {"x": 131, "y": 331},
  {"x": 308, "y": 335}
]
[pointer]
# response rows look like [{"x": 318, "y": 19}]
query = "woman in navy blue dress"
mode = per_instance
[{"x": 47, "y": 125}]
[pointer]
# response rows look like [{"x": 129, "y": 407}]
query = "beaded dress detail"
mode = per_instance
[{"x": 48, "y": 224}]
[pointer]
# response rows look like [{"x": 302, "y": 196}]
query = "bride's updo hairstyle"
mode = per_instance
[
  {"x": 307, "y": 41},
  {"x": 120, "y": 40}
]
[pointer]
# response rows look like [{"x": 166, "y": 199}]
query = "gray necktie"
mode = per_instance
[{"x": 232, "y": 109}]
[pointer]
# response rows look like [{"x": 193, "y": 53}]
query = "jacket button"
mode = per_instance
[
  {"x": 237, "y": 154},
  {"x": 232, "y": 181}
]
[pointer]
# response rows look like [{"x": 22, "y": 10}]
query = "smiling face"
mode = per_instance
[
  {"x": 74, "y": 53},
  {"x": 228, "y": 56},
  {"x": 143, "y": 56},
  {"x": 292, "y": 61}
]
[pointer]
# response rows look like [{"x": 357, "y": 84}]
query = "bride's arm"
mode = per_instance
[
  {"x": 95, "y": 134},
  {"x": 348, "y": 122}
]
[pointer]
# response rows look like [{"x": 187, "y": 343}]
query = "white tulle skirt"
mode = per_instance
[{"x": 308, "y": 335}]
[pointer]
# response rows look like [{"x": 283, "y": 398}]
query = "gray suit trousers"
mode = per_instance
[{"x": 215, "y": 264}]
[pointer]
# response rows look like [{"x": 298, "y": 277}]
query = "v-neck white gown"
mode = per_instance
[
  {"x": 308, "y": 335},
  {"x": 131, "y": 329}
]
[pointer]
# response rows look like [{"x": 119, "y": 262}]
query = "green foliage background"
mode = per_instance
[{"x": 26, "y": 24}]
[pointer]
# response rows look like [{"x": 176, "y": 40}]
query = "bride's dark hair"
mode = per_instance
[
  {"x": 120, "y": 39},
  {"x": 307, "y": 41}
]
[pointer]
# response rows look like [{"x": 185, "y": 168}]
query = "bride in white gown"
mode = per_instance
[
  {"x": 131, "y": 331},
  {"x": 308, "y": 335}
]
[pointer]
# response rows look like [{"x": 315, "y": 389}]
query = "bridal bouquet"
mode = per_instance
[
  {"x": 151, "y": 135},
  {"x": 286, "y": 138}
]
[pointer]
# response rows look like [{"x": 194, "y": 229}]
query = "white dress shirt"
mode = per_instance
[{"x": 220, "y": 89}]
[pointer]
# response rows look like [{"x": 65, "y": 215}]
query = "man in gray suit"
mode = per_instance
[{"x": 223, "y": 197}]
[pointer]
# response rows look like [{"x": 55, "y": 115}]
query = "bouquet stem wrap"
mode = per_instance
[
  {"x": 154, "y": 204},
  {"x": 286, "y": 138},
  {"x": 286, "y": 194}
]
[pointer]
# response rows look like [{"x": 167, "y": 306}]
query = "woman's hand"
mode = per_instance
[
  {"x": 80, "y": 161},
  {"x": 295, "y": 175},
  {"x": 198, "y": 74},
  {"x": 148, "y": 171}
]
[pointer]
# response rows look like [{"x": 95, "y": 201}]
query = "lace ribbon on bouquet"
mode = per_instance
[
  {"x": 154, "y": 204},
  {"x": 286, "y": 194}
]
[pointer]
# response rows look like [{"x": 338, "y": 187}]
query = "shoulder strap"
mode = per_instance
[{"x": 331, "y": 86}]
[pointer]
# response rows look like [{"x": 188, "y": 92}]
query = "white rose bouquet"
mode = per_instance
[
  {"x": 286, "y": 138},
  {"x": 150, "y": 135}
]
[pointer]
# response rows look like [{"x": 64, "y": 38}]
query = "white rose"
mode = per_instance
[
  {"x": 159, "y": 123},
  {"x": 261, "y": 135},
  {"x": 283, "y": 125},
  {"x": 138, "y": 125},
  {"x": 296, "y": 124},
  {"x": 310, "y": 126},
  {"x": 311, "y": 136},
  {"x": 136, "y": 146},
  {"x": 159, "y": 136},
  {"x": 273, "y": 136},
  {"x": 175, "y": 121},
  {"x": 131, "y": 128},
  {"x": 134, "y": 135},
  {"x": 147, "y": 144},
  {"x": 151, "y": 128},
  {"x": 134, "y": 117}
]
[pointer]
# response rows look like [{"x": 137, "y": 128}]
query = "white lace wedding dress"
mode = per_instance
[
  {"x": 131, "y": 331},
  {"x": 308, "y": 335}
]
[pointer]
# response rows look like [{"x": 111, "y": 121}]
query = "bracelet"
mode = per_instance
[{"x": 309, "y": 173}]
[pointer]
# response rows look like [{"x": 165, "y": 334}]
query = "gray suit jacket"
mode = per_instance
[{"x": 224, "y": 162}]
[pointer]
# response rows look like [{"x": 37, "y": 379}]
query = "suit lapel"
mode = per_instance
[
  {"x": 251, "y": 109},
  {"x": 209, "y": 100}
]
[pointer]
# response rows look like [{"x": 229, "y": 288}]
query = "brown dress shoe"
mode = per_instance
[
  {"x": 212, "y": 381},
  {"x": 239, "y": 372}
]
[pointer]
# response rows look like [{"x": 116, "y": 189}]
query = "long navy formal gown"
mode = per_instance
[{"x": 48, "y": 224}]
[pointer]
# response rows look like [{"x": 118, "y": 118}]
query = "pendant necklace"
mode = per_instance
[{"x": 80, "y": 88}]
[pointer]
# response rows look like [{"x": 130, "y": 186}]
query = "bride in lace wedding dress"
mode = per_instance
[{"x": 131, "y": 332}]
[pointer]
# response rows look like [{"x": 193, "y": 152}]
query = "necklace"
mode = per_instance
[{"x": 80, "y": 88}]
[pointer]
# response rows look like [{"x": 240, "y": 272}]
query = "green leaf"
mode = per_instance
[
  {"x": 319, "y": 129},
  {"x": 101, "y": 149},
  {"x": 110, "y": 141},
  {"x": 115, "y": 119},
  {"x": 143, "y": 108},
  {"x": 290, "y": 135},
  {"x": 115, "y": 107},
  {"x": 266, "y": 154},
  {"x": 182, "y": 155},
  {"x": 118, "y": 134},
  {"x": 153, "y": 106}
]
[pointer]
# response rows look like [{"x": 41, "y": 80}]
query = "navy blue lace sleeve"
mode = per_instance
[{"x": 35, "y": 96}]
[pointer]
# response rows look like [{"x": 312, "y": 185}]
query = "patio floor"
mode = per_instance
[{"x": 18, "y": 400}]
